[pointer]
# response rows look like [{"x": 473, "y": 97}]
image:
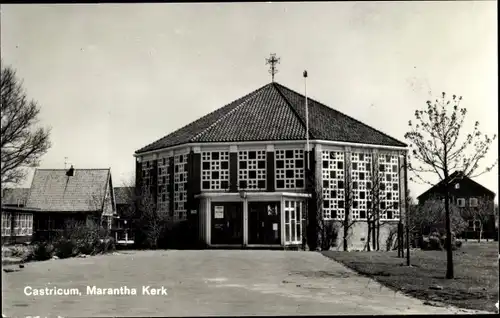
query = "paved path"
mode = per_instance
[{"x": 209, "y": 282}]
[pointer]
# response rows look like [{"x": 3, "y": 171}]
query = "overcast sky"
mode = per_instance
[{"x": 111, "y": 78}]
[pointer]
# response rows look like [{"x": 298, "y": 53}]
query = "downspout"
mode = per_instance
[{"x": 407, "y": 213}]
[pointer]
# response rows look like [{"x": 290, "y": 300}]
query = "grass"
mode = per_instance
[{"x": 475, "y": 285}]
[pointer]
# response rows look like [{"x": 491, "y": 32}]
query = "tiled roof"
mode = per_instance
[
  {"x": 53, "y": 190},
  {"x": 122, "y": 194},
  {"x": 455, "y": 175},
  {"x": 15, "y": 196},
  {"x": 274, "y": 112}
]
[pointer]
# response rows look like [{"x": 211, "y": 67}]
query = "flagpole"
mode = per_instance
[{"x": 307, "y": 120}]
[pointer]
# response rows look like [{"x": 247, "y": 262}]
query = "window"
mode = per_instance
[
  {"x": 461, "y": 202},
  {"x": 290, "y": 169},
  {"x": 23, "y": 224},
  {"x": 6, "y": 223},
  {"x": 361, "y": 174},
  {"x": 180, "y": 187},
  {"x": 146, "y": 177},
  {"x": 457, "y": 186},
  {"x": 215, "y": 170},
  {"x": 293, "y": 221},
  {"x": 163, "y": 185},
  {"x": 389, "y": 180},
  {"x": 473, "y": 202},
  {"x": 252, "y": 169},
  {"x": 333, "y": 184}
]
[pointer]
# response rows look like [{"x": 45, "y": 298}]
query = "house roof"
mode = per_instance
[
  {"x": 53, "y": 191},
  {"x": 14, "y": 196},
  {"x": 122, "y": 194},
  {"x": 453, "y": 176},
  {"x": 273, "y": 112}
]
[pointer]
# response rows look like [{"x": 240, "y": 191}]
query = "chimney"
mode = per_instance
[{"x": 70, "y": 172}]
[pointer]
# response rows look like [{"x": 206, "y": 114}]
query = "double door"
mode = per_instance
[
  {"x": 227, "y": 223},
  {"x": 264, "y": 223}
]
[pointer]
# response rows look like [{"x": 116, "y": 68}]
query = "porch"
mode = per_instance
[{"x": 252, "y": 219}]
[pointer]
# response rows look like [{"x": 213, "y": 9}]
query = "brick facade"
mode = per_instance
[{"x": 288, "y": 165}]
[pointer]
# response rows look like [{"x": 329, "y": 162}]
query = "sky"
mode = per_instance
[{"x": 112, "y": 78}]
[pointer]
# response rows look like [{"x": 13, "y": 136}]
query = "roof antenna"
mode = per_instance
[{"x": 70, "y": 172}]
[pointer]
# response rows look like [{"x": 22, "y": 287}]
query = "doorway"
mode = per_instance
[
  {"x": 264, "y": 223},
  {"x": 227, "y": 223}
]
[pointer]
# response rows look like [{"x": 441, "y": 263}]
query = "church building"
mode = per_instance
[{"x": 240, "y": 174}]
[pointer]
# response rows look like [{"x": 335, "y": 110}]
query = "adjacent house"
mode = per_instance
[
  {"x": 122, "y": 223},
  {"x": 245, "y": 175},
  {"x": 17, "y": 222},
  {"x": 474, "y": 201},
  {"x": 59, "y": 196}
]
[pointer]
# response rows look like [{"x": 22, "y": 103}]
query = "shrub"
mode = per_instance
[
  {"x": 328, "y": 235},
  {"x": 435, "y": 243},
  {"x": 390, "y": 242},
  {"x": 19, "y": 251},
  {"x": 105, "y": 246},
  {"x": 431, "y": 242},
  {"x": 65, "y": 248},
  {"x": 41, "y": 252}
]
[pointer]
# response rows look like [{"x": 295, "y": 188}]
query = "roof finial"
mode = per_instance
[{"x": 272, "y": 60}]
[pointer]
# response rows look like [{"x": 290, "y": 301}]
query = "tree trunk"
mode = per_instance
[
  {"x": 480, "y": 233},
  {"x": 346, "y": 232},
  {"x": 374, "y": 236},
  {"x": 449, "y": 251},
  {"x": 378, "y": 235},
  {"x": 368, "y": 237}
]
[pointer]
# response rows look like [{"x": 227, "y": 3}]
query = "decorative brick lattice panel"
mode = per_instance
[
  {"x": 180, "y": 187},
  {"x": 362, "y": 184},
  {"x": 147, "y": 177},
  {"x": 215, "y": 170},
  {"x": 163, "y": 182},
  {"x": 389, "y": 186},
  {"x": 333, "y": 185},
  {"x": 290, "y": 169},
  {"x": 252, "y": 169}
]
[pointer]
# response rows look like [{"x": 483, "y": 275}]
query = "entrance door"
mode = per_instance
[
  {"x": 264, "y": 223},
  {"x": 227, "y": 223}
]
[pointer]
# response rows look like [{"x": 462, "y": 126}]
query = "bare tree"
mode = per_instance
[
  {"x": 145, "y": 215},
  {"x": 22, "y": 143},
  {"x": 348, "y": 221},
  {"x": 377, "y": 207},
  {"x": 325, "y": 228},
  {"x": 433, "y": 216},
  {"x": 436, "y": 148},
  {"x": 480, "y": 214}
]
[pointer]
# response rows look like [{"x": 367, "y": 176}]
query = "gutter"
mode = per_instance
[{"x": 267, "y": 142}]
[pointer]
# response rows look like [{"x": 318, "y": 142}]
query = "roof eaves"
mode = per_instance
[{"x": 150, "y": 147}]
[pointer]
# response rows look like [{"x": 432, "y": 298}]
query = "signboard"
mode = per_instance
[
  {"x": 218, "y": 212},
  {"x": 271, "y": 210},
  {"x": 194, "y": 211},
  {"x": 275, "y": 226}
]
